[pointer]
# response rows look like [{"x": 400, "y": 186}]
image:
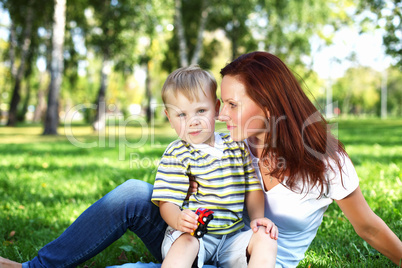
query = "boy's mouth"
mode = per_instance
[{"x": 195, "y": 133}]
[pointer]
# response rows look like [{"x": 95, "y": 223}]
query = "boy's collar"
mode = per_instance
[{"x": 218, "y": 143}]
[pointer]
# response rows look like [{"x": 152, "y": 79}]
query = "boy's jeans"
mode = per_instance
[{"x": 128, "y": 206}]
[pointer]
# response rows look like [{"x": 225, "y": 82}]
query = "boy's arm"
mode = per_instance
[{"x": 181, "y": 220}]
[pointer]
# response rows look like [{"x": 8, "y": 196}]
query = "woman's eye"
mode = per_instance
[{"x": 232, "y": 105}]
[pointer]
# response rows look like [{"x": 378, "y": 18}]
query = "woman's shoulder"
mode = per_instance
[
  {"x": 341, "y": 175},
  {"x": 343, "y": 164}
]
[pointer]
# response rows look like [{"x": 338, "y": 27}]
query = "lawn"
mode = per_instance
[{"x": 47, "y": 182}]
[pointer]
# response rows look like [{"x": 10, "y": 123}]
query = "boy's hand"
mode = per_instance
[
  {"x": 270, "y": 227},
  {"x": 187, "y": 221}
]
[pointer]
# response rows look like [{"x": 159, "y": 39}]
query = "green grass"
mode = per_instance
[{"x": 47, "y": 182}]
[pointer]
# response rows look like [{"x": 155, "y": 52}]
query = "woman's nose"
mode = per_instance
[
  {"x": 223, "y": 118},
  {"x": 223, "y": 115}
]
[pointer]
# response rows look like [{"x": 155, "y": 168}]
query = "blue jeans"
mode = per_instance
[
  {"x": 147, "y": 265},
  {"x": 128, "y": 206}
]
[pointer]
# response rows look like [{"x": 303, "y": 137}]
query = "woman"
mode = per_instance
[{"x": 302, "y": 168}]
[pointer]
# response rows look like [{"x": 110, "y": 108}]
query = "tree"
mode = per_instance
[
  {"x": 113, "y": 40},
  {"x": 187, "y": 44},
  {"x": 390, "y": 13},
  {"x": 233, "y": 17},
  {"x": 18, "y": 75},
  {"x": 185, "y": 60},
  {"x": 358, "y": 91},
  {"x": 52, "y": 113},
  {"x": 152, "y": 23},
  {"x": 291, "y": 25},
  {"x": 23, "y": 50},
  {"x": 394, "y": 89}
]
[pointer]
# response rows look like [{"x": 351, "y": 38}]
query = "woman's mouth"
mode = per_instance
[{"x": 230, "y": 127}]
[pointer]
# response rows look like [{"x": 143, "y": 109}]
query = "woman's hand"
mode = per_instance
[
  {"x": 270, "y": 227},
  {"x": 187, "y": 221},
  {"x": 193, "y": 187}
]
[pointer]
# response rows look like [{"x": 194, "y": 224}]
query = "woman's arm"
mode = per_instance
[
  {"x": 182, "y": 220},
  {"x": 255, "y": 204},
  {"x": 255, "y": 208},
  {"x": 370, "y": 227}
]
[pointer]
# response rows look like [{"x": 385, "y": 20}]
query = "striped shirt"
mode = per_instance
[{"x": 223, "y": 181}]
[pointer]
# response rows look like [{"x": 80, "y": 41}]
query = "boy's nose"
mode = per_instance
[{"x": 194, "y": 122}]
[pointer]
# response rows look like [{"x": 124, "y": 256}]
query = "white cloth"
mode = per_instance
[
  {"x": 298, "y": 215},
  {"x": 227, "y": 250},
  {"x": 216, "y": 151}
]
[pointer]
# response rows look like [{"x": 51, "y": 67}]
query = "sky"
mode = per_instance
[{"x": 368, "y": 48}]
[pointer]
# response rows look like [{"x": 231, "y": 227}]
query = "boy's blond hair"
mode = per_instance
[{"x": 186, "y": 80}]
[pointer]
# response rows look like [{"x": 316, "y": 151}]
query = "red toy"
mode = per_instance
[{"x": 204, "y": 217}]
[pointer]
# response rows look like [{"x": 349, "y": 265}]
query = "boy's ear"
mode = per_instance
[
  {"x": 168, "y": 117},
  {"x": 217, "y": 107},
  {"x": 167, "y": 114}
]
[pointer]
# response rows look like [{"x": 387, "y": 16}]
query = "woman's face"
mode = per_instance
[{"x": 243, "y": 117}]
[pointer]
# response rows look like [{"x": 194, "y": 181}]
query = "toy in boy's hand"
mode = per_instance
[{"x": 204, "y": 217}]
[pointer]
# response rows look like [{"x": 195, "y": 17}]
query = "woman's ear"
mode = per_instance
[{"x": 268, "y": 113}]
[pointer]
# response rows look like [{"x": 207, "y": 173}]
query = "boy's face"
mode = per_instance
[{"x": 194, "y": 122}]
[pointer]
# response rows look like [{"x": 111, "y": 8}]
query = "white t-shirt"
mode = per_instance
[
  {"x": 216, "y": 151},
  {"x": 298, "y": 215}
]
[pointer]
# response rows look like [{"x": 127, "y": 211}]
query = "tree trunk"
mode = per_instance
[
  {"x": 100, "y": 117},
  {"x": 52, "y": 113},
  {"x": 28, "y": 72},
  {"x": 203, "y": 21},
  {"x": 148, "y": 93},
  {"x": 15, "y": 99},
  {"x": 346, "y": 102},
  {"x": 24, "y": 110},
  {"x": 40, "y": 107},
  {"x": 13, "y": 45},
  {"x": 180, "y": 32}
]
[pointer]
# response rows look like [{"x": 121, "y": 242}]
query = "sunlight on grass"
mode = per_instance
[{"x": 48, "y": 181}]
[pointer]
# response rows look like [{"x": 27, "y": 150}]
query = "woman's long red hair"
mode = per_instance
[{"x": 300, "y": 134}]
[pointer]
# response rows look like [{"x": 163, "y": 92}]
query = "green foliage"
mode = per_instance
[
  {"x": 358, "y": 91},
  {"x": 47, "y": 182},
  {"x": 389, "y": 14},
  {"x": 134, "y": 34},
  {"x": 394, "y": 89},
  {"x": 288, "y": 26}
]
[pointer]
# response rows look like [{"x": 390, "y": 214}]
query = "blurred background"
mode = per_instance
[
  {"x": 92, "y": 71},
  {"x": 111, "y": 57}
]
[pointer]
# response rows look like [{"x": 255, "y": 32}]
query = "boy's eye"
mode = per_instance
[
  {"x": 201, "y": 111},
  {"x": 181, "y": 115}
]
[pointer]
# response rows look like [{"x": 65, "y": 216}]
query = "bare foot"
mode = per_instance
[{"x": 6, "y": 263}]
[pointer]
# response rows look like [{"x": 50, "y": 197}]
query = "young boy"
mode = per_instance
[{"x": 226, "y": 180}]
